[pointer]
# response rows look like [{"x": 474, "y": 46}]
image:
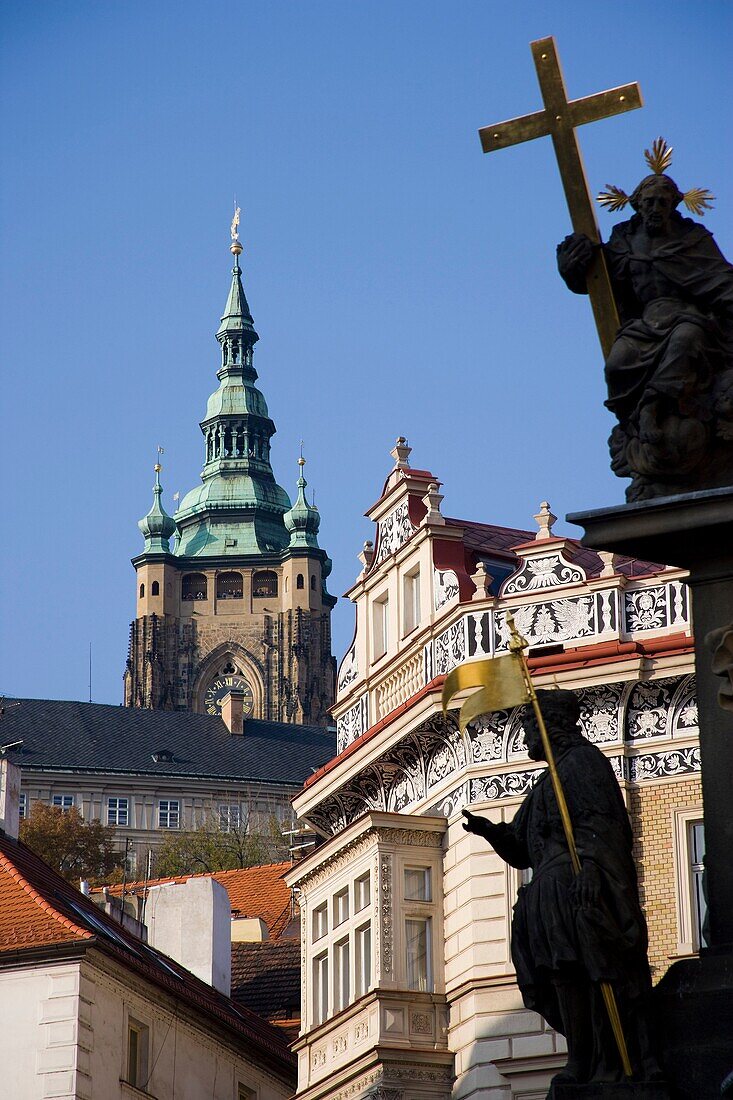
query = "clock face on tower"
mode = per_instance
[{"x": 219, "y": 687}]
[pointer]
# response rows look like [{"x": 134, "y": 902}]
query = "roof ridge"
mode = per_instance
[{"x": 7, "y": 865}]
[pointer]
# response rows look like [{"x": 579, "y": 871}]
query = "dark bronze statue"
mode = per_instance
[
  {"x": 670, "y": 370},
  {"x": 571, "y": 933}
]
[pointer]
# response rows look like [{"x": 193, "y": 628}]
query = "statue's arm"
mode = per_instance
[
  {"x": 574, "y": 255},
  {"x": 503, "y": 838}
]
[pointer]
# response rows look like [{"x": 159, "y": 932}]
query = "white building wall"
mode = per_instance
[{"x": 63, "y": 1034}]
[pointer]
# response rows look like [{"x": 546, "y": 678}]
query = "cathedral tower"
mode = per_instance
[{"x": 239, "y": 599}]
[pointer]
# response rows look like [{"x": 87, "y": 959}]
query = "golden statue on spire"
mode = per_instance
[{"x": 235, "y": 246}]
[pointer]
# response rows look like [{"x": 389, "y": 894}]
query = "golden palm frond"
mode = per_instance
[
  {"x": 698, "y": 200},
  {"x": 659, "y": 157},
  {"x": 613, "y": 198}
]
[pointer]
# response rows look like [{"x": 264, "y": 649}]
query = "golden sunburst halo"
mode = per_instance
[{"x": 659, "y": 157}]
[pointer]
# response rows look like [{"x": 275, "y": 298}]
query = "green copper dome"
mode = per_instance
[
  {"x": 303, "y": 519},
  {"x": 239, "y": 507},
  {"x": 157, "y": 526}
]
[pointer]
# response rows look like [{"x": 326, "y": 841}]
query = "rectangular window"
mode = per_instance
[
  {"x": 320, "y": 922},
  {"x": 411, "y": 600},
  {"x": 169, "y": 813},
  {"x": 340, "y": 975},
  {"x": 362, "y": 893},
  {"x": 363, "y": 959},
  {"x": 341, "y": 907},
  {"x": 22, "y": 806},
  {"x": 230, "y": 818},
  {"x": 137, "y": 1053},
  {"x": 244, "y": 1092},
  {"x": 417, "y": 884},
  {"x": 320, "y": 988},
  {"x": 379, "y": 624},
  {"x": 696, "y": 850},
  {"x": 417, "y": 944},
  {"x": 65, "y": 801},
  {"x": 117, "y": 811}
]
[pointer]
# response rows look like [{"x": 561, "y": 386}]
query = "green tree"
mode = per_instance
[
  {"x": 212, "y": 848},
  {"x": 77, "y": 849}
]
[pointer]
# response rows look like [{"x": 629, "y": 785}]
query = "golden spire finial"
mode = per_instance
[
  {"x": 235, "y": 246},
  {"x": 301, "y": 460}
]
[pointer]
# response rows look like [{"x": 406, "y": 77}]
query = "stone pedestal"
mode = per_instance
[
  {"x": 631, "y": 1091},
  {"x": 694, "y": 1001}
]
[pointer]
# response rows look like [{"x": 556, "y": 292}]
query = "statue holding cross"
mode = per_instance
[{"x": 662, "y": 298}]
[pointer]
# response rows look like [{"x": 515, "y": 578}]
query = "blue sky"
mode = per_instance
[{"x": 401, "y": 282}]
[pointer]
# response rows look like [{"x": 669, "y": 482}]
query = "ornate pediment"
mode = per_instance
[{"x": 541, "y": 570}]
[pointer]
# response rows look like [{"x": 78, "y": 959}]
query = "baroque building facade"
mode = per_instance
[
  {"x": 408, "y": 985},
  {"x": 239, "y": 600}
]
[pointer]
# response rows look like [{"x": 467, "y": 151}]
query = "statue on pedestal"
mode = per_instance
[
  {"x": 571, "y": 933},
  {"x": 669, "y": 371}
]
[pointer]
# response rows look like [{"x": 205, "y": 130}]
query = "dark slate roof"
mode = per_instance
[
  {"x": 266, "y": 977},
  {"x": 91, "y": 737}
]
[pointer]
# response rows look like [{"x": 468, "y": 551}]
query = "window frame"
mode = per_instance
[
  {"x": 689, "y": 929},
  {"x": 230, "y": 816},
  {"x": 321, "y": 993},
  {"x": 62, "y": 801},
  {"x": 363, "y": 960},
  {"x": 380, "y": 626},
  {"x": 117, "y": 809},
  {"x": 427, "y": 922},
  {"x": 168, "y": 802},
  {"x": 427, "y": 879},
  {"x": 411, "y": 603},
  {"x": 137, "y": 1076}
]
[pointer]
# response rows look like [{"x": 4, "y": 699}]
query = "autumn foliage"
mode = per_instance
[{"x": 77, "y": 849}]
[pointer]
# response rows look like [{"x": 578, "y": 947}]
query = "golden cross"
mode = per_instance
[{"x": 559, "y": 119}]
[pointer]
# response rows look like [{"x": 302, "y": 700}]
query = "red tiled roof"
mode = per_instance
[
  {"x": 487, "y": 538},
  {"x": 39, "y": 909},
  {"x": 258, "y": 891}
]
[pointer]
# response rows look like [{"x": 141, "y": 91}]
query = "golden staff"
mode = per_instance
[{"x": 500, "y": 685}]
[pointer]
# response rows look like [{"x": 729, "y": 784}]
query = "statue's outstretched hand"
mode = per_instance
[
  {"x": 478, "y": 825},
  {"x": 574, "y": 255}
]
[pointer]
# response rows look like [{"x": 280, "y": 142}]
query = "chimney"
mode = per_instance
[
  {"x": 191, "y": 922},
  {"x": 9, "y": 798},
  {"x": 232, "y": 711}
]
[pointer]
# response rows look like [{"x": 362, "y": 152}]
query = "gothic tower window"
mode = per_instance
[
  {"x": 155, "y": 589},
  {"x": 229, "y": 586},
  {"x": 142, "y": 590},
  {"x": 300, "y": 583},
  {"x": 313, "y": 582},
  {"x": 264, "y": 583},
  {"x": 194, "y": 587}
]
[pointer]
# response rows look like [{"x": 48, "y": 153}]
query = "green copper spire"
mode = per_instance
[
  {"x": 157, "y": 526},
  {"x": 303, "y": 519},
  {"x": 239, "y": 507}
]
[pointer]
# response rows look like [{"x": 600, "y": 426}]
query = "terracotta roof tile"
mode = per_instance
[{"x": 258, "y": 891}]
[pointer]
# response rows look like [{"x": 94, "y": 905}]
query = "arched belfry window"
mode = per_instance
[
  {"x": 313, "y": 582},
  {"x": 155, "y": 589},
  {"x": 142, "y": 590},
  {"x": 264, "y": 583},
  {"x": 194, "y": 587},
  {"x": 229, "y": 586},
  {"x": 300, "y": 583}
]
